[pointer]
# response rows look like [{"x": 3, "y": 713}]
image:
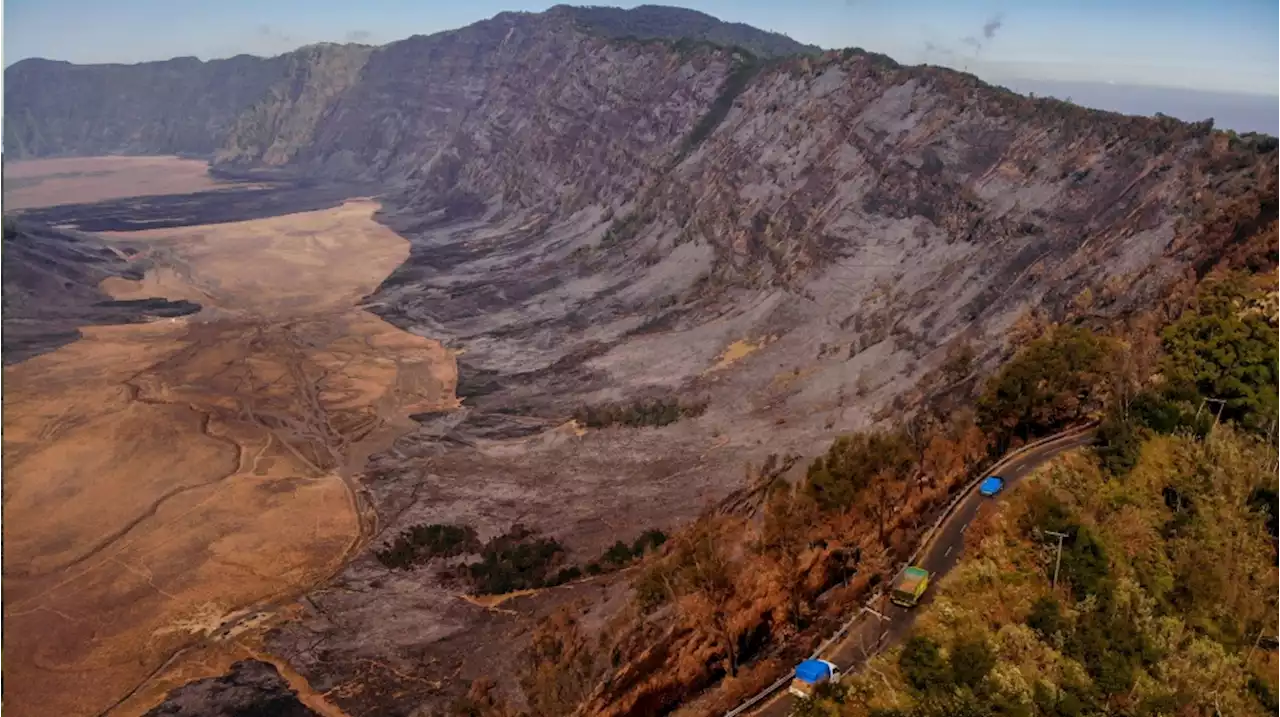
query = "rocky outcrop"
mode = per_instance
[
  {"x": 271, "y": 131},
  {"x": 251, "y": 689}
]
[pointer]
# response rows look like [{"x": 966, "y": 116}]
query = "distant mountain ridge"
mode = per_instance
[{"x": 230, "y": 107}]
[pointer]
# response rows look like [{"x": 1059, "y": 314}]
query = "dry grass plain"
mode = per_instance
[
  {"x": 80, "y": 180},
  {"x": 171, "y": 487}
]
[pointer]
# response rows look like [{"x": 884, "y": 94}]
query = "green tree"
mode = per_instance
[
  {"x": 1226, "y": 348},
  {"x": 1057, "y": 379},
  {"x": 1084, "y": 563},
  {"x": 852, "y": 462},
  {"x": 1118, "y": 443}
]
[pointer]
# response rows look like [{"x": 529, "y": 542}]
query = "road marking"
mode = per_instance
[
  {"x": 949, "y": 547},
  {"x": 964, "y": 527},
  {"x": 883, "y": 635},
  {"x": 873, "y": 612}
]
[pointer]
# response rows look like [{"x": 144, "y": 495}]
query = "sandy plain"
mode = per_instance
[
  {"x": 80, "y": 180},
  {"x": 171, "y": 488}
]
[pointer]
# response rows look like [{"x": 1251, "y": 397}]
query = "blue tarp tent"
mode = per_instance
[
  {"x": 991, "y": 485},
  {"x": 813, "y": 671}
]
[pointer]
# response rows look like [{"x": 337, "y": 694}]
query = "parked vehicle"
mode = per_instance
[
  {"x": 991, "y": 485},
  {"x": 812, "y": 673},
  {"x": 910, "y": 587}
]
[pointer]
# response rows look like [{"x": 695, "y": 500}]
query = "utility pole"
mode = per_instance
[
  {"x": 1254, "y": 646},
  {"x": 1217, "y": 417},
  {"x": 1058, "y": 564}
]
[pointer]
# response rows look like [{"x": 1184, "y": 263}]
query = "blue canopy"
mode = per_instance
[
  {"x": 991, "y": 485},
  {"x": 813, "y": 671}
]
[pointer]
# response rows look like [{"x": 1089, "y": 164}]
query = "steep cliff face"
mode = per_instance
[
  {"x": 519, "y": 109},
  {"x": 858, "y": 200},
  {"x": 272, "y": 130},
  {"x": 179, "y": 106}
]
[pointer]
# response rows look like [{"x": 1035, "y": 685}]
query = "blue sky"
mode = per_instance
[{"x": 1224, "y": 45}]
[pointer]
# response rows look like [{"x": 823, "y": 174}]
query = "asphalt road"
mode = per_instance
[{"x": 875, "y": 632}]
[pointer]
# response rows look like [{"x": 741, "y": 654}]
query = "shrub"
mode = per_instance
[
  {"x": 573, "y": 572},
  {"x": 643, "y": 412},
  {"x": 618, "y": 555},
  {"x": 420, "y": 543},
  {"x": 517, "y": 560},
  {"x": 922, "y": 664},
  {"x": 652, "y": 587},
  {"x": 1046, "y": 617},
  {"x": 649, "y": 540},
  {"x": 1119, "y": 444},
  {"x": 971, "y": 660}
]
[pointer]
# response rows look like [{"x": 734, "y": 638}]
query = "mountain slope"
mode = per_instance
[
  {"x": 51, "y": 279},
  {"x": 179, "y": 106},
  {"x": 252, "y": 109},
  {"x": 802, "y": 243},
  {"x": 839, "y": 228},
  {"x": 425, "y": 107}
]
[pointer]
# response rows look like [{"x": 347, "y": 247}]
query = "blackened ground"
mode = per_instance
[
  {"x": 251, "y": 689},
  {"x": 51, "y": 279},
  {"x": 182, "y": 210}
]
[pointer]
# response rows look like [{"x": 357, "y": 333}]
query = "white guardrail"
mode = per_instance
[{"x": 924, "y": 543}]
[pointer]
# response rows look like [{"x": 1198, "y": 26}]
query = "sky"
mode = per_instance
[{"x": 1215, "y": 45}]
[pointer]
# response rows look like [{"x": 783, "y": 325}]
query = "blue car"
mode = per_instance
[{"x": 991, "y": 485}]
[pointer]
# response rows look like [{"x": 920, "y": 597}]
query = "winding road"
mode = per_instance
[{"x": 883, "y": 625}]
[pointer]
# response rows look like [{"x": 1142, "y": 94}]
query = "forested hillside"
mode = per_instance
[{"x": 1165, "y": 602}]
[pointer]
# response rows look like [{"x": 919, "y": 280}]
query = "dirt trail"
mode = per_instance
[{"x": 172, "y": 487}]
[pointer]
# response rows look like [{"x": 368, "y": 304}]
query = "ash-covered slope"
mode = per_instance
[
  {"x": 804, "y": 251},
  {"x": 251, "y": 689},
  {"x": 839, "y": 201},
  {"x": 50, "y": 288}
]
